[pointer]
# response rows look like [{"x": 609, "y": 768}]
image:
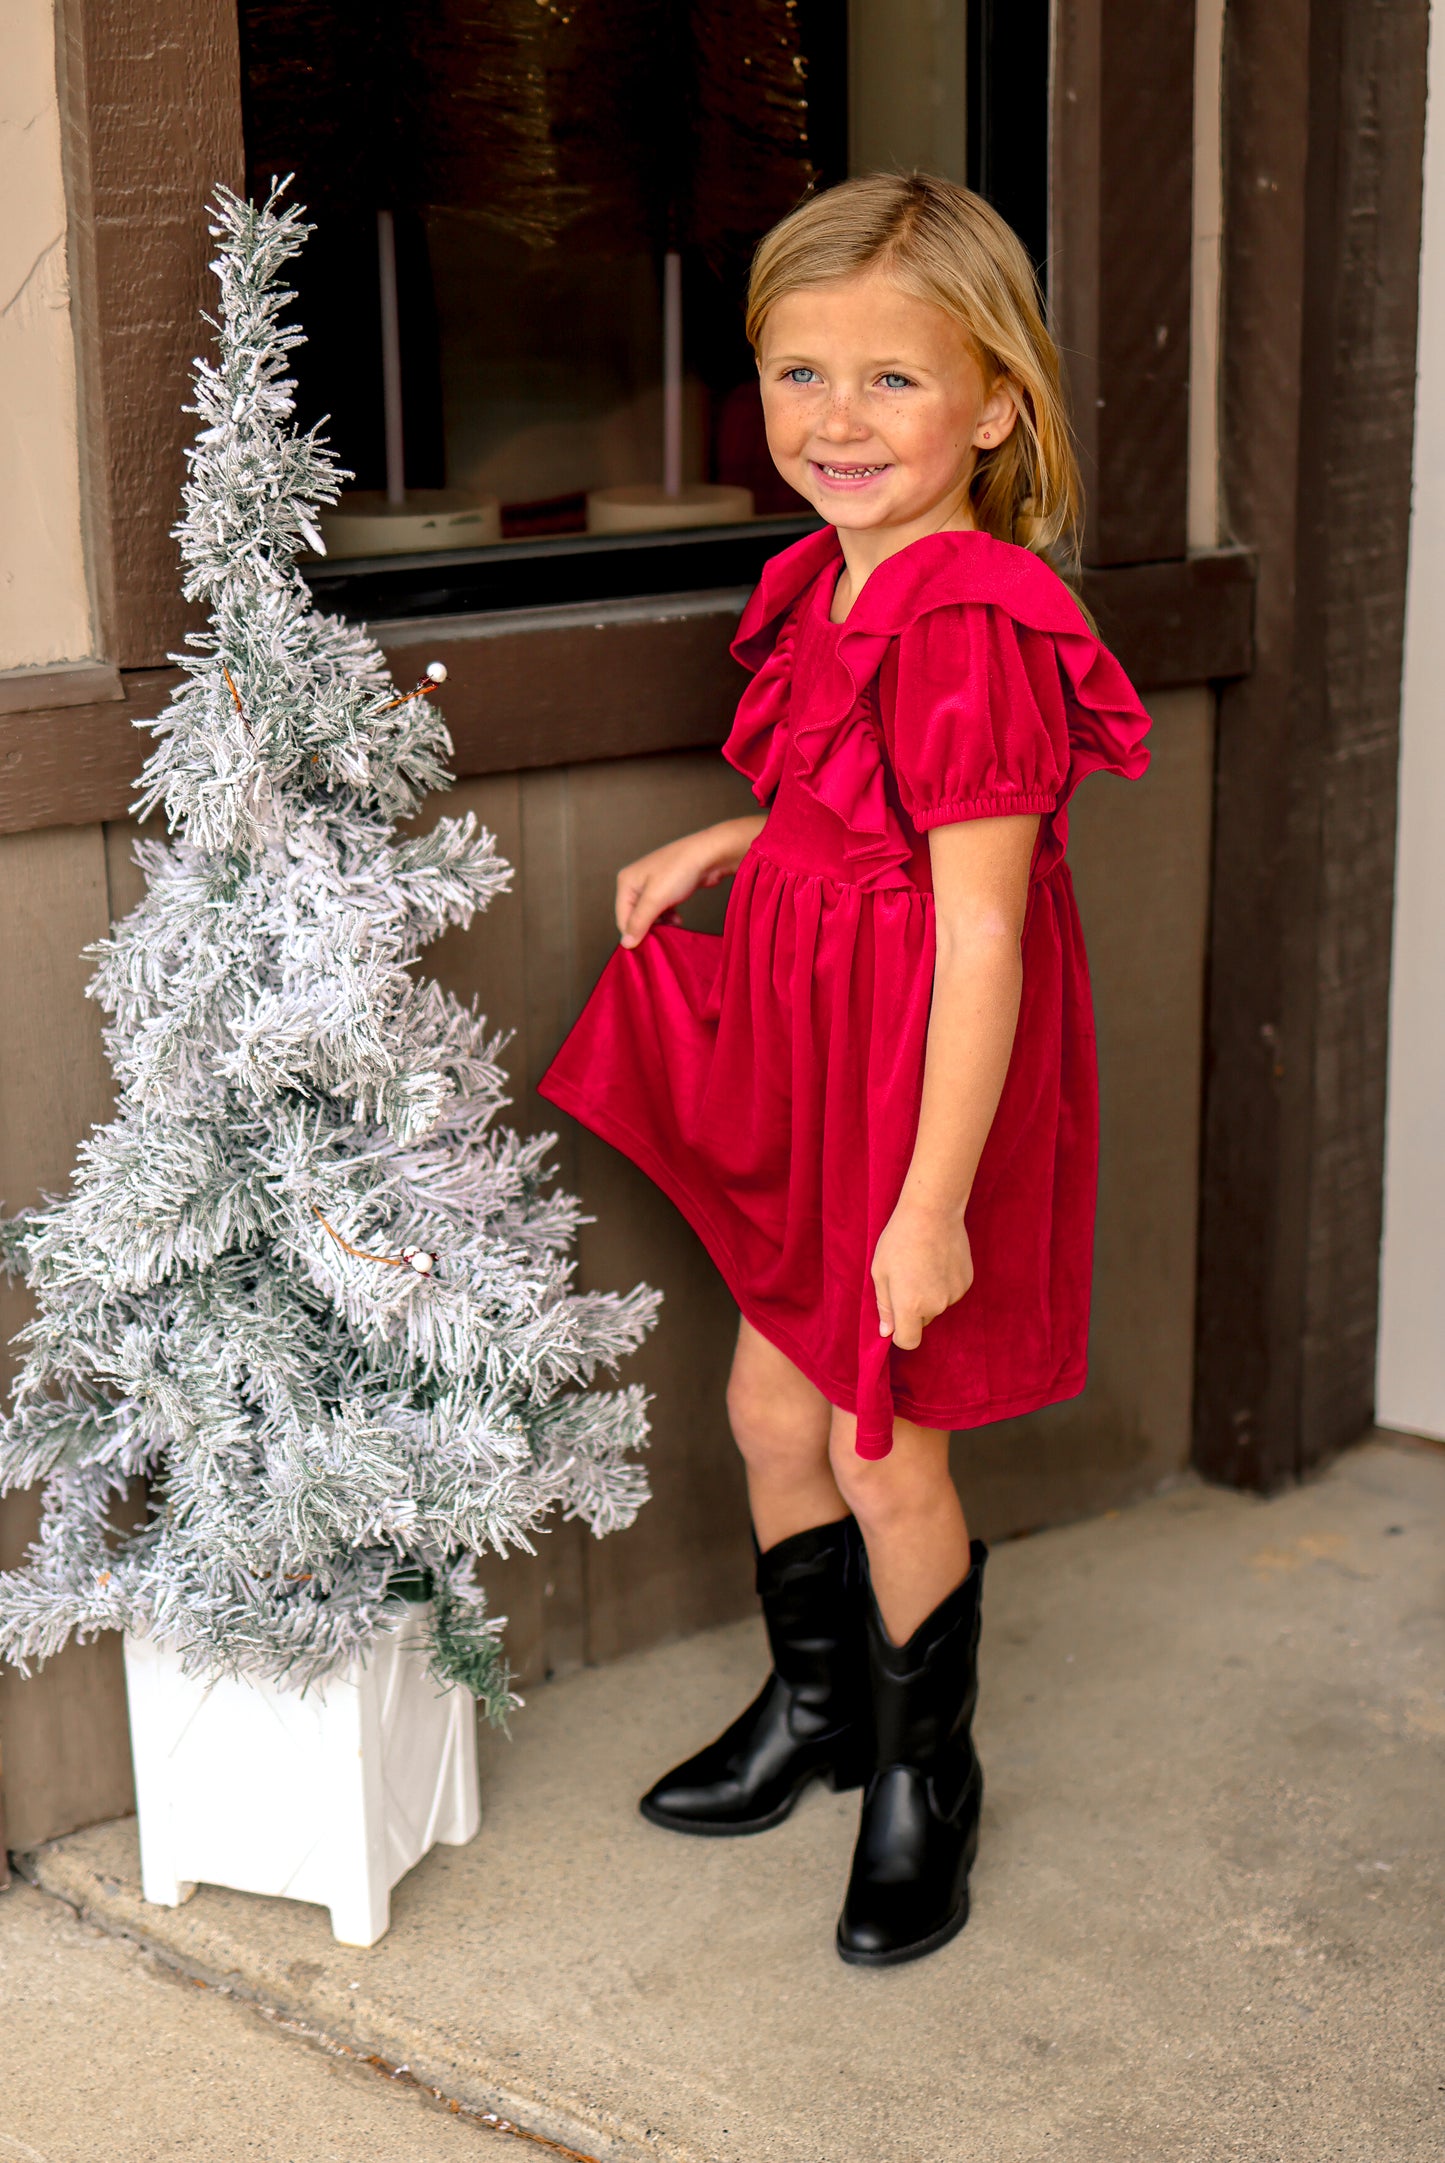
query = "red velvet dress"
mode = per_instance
[{"x": 769, "y": 1079}]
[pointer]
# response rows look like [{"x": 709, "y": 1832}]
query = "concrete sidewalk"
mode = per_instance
[
  {"x": 1207, "y": 1921},
  {"x": 110, "y": 2056}
]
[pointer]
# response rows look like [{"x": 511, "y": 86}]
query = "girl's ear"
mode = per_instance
[{"x": 997, "y": 415}]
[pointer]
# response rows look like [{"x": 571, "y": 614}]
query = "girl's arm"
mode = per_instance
[
  {"x": 666, "y": 877},
  {"x": 922, "y": 1262}
]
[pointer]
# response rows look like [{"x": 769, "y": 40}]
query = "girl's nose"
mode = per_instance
[{"x": 840, "y": 424}]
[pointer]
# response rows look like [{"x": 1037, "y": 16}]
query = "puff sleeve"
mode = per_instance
[
  {"x": 979, "y": 729},
  {"x": 991, "y": 716}
]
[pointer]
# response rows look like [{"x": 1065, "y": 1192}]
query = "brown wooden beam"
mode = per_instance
[
  {"x": 1178, "y": 623},
  {"x": 1324, "y": 131},
  {"x": 151, "y": 108},
  {"x": 76, "y": 765},
  {"x": 604, "y": 689},
  {"x": 611, "y": 688},
  {"x": 71, "y": 683}
]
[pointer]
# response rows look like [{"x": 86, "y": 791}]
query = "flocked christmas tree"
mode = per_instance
[{"x": 303, "y": 1284}]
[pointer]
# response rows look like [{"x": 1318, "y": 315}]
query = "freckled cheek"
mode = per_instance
[
  {"x": 930, "y": 452},
  {"x": 788, "y": 432}
]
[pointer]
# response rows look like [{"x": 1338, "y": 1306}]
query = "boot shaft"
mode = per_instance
[
  {"x": 925, "y": 1692},
  {"x": 908, "y": 1891},
  {"x": 813, "y": 1593}
]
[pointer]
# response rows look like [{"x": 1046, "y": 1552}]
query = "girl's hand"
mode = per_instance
[
  {"x": 659, "y": 882},
  {"x": 921, "y": 1265}
]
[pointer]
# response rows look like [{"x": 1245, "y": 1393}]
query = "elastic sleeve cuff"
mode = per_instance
[{"x": 998, "y": 804}]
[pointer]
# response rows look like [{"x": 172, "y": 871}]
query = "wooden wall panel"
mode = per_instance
[
  {"x": 125, "y": 882},
  {"x": 1359, "y": 414},
  {"x": 63, "y": 1734},
  {"x": 543, "y": 876},
  {"x": 495, "y": 962},
  {"x": 530, "y": 960},
  {"x": 1140, "y": 856},
  {"x": 688, "y": 1558}
]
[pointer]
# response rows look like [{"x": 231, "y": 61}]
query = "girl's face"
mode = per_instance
[{"x": 875, "y": 404}]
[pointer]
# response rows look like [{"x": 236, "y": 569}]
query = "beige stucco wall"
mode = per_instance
[
  {"x": 1411, "y": 1384},
  {"x": 44, "y": 605},
  {"x": 1204, "y": 506}
]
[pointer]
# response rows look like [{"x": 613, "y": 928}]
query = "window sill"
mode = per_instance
[
  {"x": 603, "y": 679},
  {"x": 565, "y": 570}
]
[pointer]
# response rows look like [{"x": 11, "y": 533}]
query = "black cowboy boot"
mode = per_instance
[
  {"x": 908, "y": 1893},
  {"x": 809, "y": 1721}
]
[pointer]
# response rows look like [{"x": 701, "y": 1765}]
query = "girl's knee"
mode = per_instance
[
  {"x": 771, "y": 1430},
  {"x": 864, "y": 1483},
  {"x": 886, "y": 1491}
]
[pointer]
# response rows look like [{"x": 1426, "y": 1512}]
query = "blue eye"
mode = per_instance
[
  {"x": 798, "y": 375},
  {"x": 893, "y": 381}
]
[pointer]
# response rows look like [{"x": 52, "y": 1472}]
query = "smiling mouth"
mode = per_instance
[{"x": 849, "y": 473}]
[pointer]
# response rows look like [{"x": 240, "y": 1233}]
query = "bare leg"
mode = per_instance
[
  {"x": 808, "y": 1720},
  {"x": 781, "y": 1425},
  {"x": 911, "y": 1518}
]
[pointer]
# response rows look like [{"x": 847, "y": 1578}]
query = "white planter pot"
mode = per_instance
[{"x": 329, "y": 1796}]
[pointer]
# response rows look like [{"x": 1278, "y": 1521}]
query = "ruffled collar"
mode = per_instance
[
  {"x": 937, "y": 572},
  {"x": 837, "y": 743},
  {"x": 837, "y": 757}
]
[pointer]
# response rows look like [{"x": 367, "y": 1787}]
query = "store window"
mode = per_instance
[{"x": 523, "y": 296}]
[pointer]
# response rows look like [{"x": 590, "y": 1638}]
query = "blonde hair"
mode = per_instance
[{"x": 948, "y": 246}]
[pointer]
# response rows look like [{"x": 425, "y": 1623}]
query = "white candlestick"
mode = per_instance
[
  {"x": 391, "y": 358},
  {"x": 672, "y": 373}
]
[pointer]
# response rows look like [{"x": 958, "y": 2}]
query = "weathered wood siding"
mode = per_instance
[
  {"x": 1140, "y": 856},
  {"x": 66, "y": 1754},
  {"x": 1140, "y": 853}
]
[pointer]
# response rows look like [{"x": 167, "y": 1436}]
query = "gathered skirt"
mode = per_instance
[{"x": 769, "y": 1079}]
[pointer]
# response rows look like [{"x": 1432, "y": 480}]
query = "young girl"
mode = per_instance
[{"x": 875, "y": 1096}]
